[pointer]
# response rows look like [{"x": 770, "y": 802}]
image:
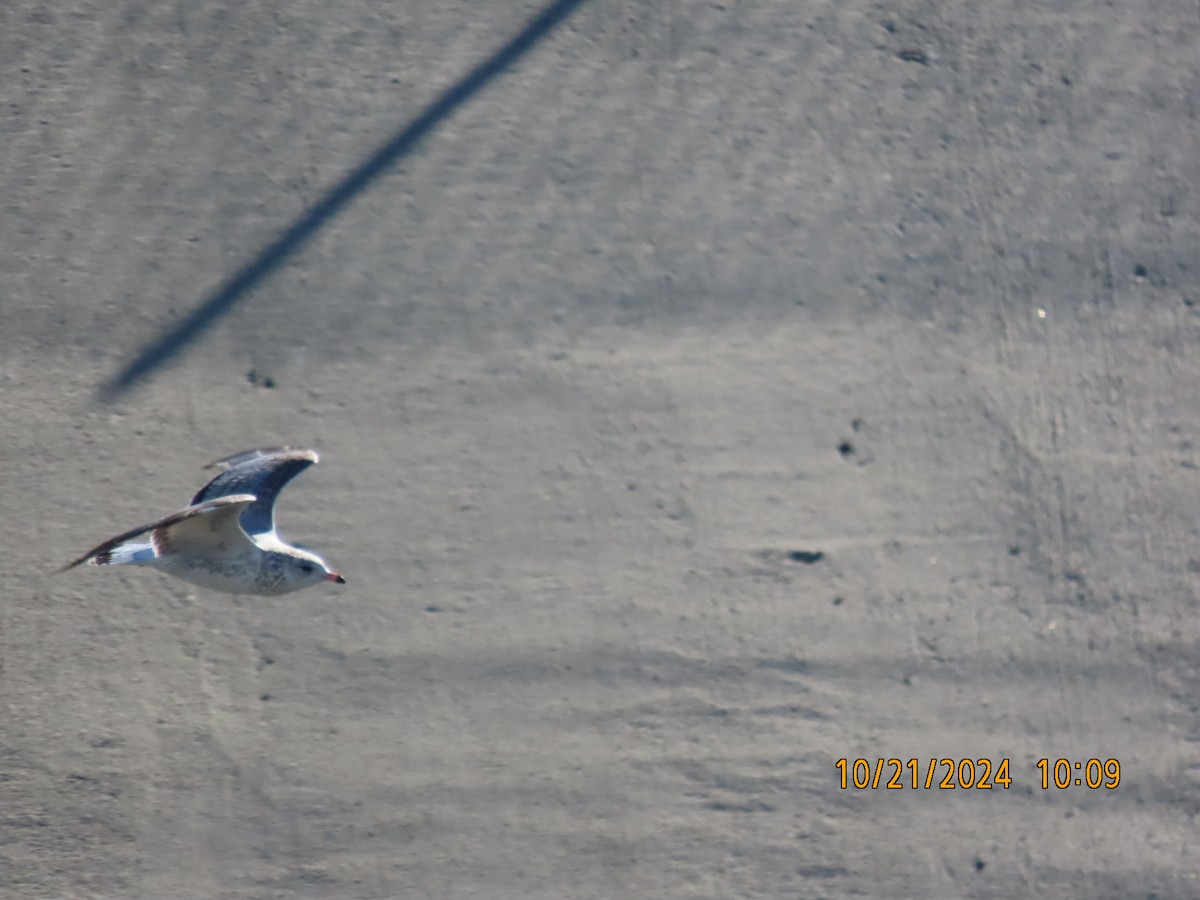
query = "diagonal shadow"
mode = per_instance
[{"x": 157, "y": 353}]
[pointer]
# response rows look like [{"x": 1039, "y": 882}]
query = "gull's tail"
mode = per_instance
[{"x": 129, "y": 553}]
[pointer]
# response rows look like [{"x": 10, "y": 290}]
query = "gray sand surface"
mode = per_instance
[{"x": 688, "y": 295}]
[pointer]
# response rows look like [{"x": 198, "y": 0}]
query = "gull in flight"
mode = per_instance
[{"x": 225, "y": 540}]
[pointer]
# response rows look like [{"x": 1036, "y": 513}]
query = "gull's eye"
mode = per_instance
[{"x": 306, "y": 567}]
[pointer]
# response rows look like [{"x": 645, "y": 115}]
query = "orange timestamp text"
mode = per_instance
[
  {"x": 947, "y": 773},
  {"x": 928, "y": 774}
]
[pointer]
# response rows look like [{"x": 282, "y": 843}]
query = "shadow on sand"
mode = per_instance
[{"x": 161, "y": 350}]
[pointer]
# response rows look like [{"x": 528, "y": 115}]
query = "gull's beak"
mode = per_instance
[{"x": 335, "y": 578}]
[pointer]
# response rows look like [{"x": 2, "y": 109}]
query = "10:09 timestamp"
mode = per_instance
[{"x": 1091, "y": 773}]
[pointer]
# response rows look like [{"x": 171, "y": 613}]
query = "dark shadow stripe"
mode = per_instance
[{"x": 204, "y": 316}]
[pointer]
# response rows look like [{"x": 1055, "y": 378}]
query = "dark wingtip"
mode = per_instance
[{"x": 83, "y": 559}]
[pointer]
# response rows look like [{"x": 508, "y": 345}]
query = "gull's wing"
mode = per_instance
[
  {"x": 207, "y": 529},
  {"x": 262, "y": 473}
]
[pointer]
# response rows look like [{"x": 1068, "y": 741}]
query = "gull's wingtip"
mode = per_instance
[{"x": 246, "y": 456}]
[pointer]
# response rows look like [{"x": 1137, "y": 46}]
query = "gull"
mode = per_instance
[{"x": 225, "y": 540}]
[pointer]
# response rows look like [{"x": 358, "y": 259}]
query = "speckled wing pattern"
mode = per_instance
[
  {"x": 263, "y": 473},
  {"x": 210, "y": 527}
]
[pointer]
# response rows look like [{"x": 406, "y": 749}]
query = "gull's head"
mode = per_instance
[{"x": 306, "y": 568}]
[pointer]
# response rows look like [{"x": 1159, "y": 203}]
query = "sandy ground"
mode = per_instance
[{"x": 692, "y": 293}]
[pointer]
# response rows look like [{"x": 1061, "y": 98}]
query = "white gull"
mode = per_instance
[{"x": 226, "y": 540}]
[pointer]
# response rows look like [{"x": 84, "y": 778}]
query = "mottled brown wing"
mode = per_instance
[{"x": 210, "y": 528}]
